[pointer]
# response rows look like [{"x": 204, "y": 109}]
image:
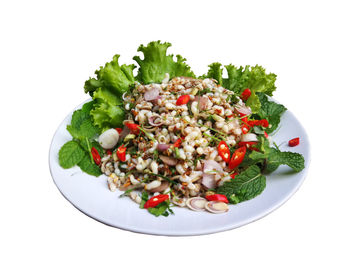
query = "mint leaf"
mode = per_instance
[
  {"x": 87, "y": 166},
  {"x": 272, "y": 158},
  {"x": 293, "y": 160},
  {"x": 163, "y": 209},
  {"x": 156, "y": 63},
  {"x": 70, "y": 154},
  {"x": 144, "y": 199},
  {"x": 81, "y": 125},
  {"x": 271, "y": 111},
  {"x": 246, "y": 185}
]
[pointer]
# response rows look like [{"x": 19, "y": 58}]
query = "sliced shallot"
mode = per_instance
[
  {"x": 151, "y": 94},
  {"x": 216, "y": 207},
  {"x": 244, "y": 110},
  {"x": 249, "y": 137},
  {"x": 211, "y": 165},
  {"x": 210, "y": 168},
  {"x": 203, "y": 103},
  {"x": 208, "y": 180},
  {"x": 168, "y": 160},
  {"x": 163, "y": 147},
  {"x": 155, "y": 120},
  {"x": 196, "y": 203}
]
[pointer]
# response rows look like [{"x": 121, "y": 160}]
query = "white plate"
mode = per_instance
[{"x": 92, "y": 196}]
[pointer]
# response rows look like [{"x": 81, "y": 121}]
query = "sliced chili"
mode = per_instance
[
  {"x": 133, "y": 127},
  {"x": 217, "y": 197},
  {"x": 246, "y": 94},
  {"x": 119, "y": 130},
  {"x": 121, "y": 153},
  {"x": 237, "y": 157},
  {"x": 233, "y": 176},
  {"x": 96, "y": 156},
  {"x": 178, "y": 142},
  {"x": 156, "y": 200},
  {"x": 224, "y": 151},
  {"x": 264, "y": 123},
  {"x": 294, "y": 142},
  {"x": 266, "y": 135},
  {"x": 245, "y": 128},
  {"x": 183, "y": 99}
]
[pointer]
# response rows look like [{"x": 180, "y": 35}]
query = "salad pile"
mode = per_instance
[{"x": 166, "y": 137}]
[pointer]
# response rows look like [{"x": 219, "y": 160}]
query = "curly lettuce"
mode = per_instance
[
  {"x": 113, "y": 80},
  {"x": 156, "y": 63},
  {"x": 254, "y": 78}
]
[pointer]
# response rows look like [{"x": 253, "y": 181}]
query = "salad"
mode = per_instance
[{"x": 169, "y": 138}]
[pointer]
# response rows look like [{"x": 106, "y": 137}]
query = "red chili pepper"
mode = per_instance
[
  {"x": 96, "y": 156},
  {"x": 119, "y": 130},
  {"x": 217, "y": 197},
  {"x": 264, "y": 123},
  {"x": 109, "y": 152},
  {"x": 237, "y": 157},
  {"x": 246, "y": 94},
  {"x": 294, "y": 142},
  {"x": 245, "y": 128},
  {"x": 156, "y": 200},
  {"x": 183, "y": 99},
  {"x": 233, "y": 175},
  {"x": 224, "y": 151},
  {"x": 245, "y": 120},
  {"x": 134, "y": 128},
  {"x": 178, "y": 142},
  {"x": 121, "y": 153},
  {"x": 266, "y": 135}
]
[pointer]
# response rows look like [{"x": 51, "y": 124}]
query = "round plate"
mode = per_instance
[{"x": 91, "y": 194}]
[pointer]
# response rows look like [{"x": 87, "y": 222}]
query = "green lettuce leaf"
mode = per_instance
[
  {"x": 106, "y": 112},
  {"x": 239, "y": 79},
  {"x": 214, "y": 72},
  {"x": 156, "y": 63},
  {"x": 246, "y": 185},
  {"x": 112, "y": 76}
]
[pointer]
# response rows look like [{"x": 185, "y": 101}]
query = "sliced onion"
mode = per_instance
[
  {"x": 162, "y": 147},
  {"x": 242, "y": 109},
  {"x": 216, "y": 207},
  {"x": 151, "y": 94},
  {"x": 168, "y": 160},
  {"x": 208, "y": 180},
  {"x": 124, "y": 95},
  {"x": 155, "y": 120},
  {"x": 203, "y": 103},
  {"x": 249, "y": 137},
  {"x": 196, "y": 203},
  {"x": 211, "y": 165}
]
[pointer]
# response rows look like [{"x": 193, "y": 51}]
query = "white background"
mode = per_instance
[{"x": 49, "y": 48}]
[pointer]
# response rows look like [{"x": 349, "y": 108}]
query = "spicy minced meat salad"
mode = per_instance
[{"x": 181, "y": 141}]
